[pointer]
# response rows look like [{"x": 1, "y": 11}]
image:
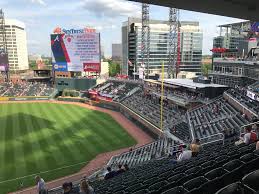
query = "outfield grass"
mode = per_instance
[{"x": 42, "y": 137}]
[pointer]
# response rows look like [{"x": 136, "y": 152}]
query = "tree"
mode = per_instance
[
  {"x": 114, "y": 68},
  {"x": 205, "y": 69}
]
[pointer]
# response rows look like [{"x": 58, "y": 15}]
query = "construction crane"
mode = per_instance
[
  {"x": 4, "y": 69},
  {"x": 174, "y": 43},
  {"x": 145, "y": 40}
]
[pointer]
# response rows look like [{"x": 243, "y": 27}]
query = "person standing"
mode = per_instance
[{"x": 41, "y": 188}]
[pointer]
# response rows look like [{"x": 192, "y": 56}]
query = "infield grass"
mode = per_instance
[{"x": 40, "y": 137}]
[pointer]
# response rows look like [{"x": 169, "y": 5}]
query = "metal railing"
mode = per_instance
[{"x": 210, "y": 139}]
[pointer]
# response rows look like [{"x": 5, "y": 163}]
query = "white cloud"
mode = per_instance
[
  {"x": 111, "y": 8},
  {"x": 33, "y": 42},
  {"x": 41, "y": 2}
]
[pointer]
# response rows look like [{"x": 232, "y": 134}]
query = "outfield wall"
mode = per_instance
[{"x": 25, "y": 98}]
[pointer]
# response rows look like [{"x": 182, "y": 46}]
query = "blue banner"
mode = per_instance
[{"x": 60, "y": 66}]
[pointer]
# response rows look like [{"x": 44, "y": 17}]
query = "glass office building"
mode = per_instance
[{"x": 190, "y": 46}]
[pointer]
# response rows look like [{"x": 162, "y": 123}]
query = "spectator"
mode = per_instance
[
  {"x": 257, "y": 145},
  {"x": 120, "y": 170},
  {"x": 195, "y": 147},
  {"x": 184, "y": 155},
  {"x": 68, "y": 188},
  {"x": 126, "y": 167},
  {"x": 85, "y": 188},
  {"x": 40, "y": 185},
  {"x": 256, "y": 129},
  {"x": 110, "y": 173},
  {"x": 249, "y": 137}
]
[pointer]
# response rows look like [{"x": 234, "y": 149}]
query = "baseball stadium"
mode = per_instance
[{"x": 72, "y": 127}]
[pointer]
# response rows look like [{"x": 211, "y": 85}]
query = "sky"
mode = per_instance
[{"x": 42, "y": 16}]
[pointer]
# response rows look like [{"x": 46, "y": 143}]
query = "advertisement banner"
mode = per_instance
[
  {"x": 92, "y": 67},
  {"x": 61, "y": 66},
  {"x": 76, "y": 50},
  {"x": 3, "y": 62}
]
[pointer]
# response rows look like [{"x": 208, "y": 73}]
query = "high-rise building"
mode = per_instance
[
  {"x": 16, "y": 45},
  {"x": 117, "y": 51},
  {"x": 231, "y": 36},
  {"x": 191, "y": 38}
]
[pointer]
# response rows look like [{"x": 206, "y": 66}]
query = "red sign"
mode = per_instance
[{"x": 92, "y": 67}]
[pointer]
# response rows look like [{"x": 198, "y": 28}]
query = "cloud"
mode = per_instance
[
  {"x": 33, "y": 42},
  {"x": 111, "y": 8},
  {"x": 40, "y": 2}
]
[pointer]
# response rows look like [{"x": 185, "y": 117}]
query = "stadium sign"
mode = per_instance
[
  {"x": 58, "y": 30},
  {"x": 76, "y": 50}
]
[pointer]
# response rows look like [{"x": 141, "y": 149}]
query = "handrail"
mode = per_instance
[
  {"x": 243, "y": 106},
  {"x": 190, "y": 125},
  {"x": 210, "y": 136}
]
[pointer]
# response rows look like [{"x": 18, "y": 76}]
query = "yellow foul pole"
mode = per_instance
[{"x": 162, "y": 97}]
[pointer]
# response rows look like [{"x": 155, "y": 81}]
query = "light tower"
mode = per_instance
[
  {"x": 174, "y": 42},
  {"x": 4, "y": 69},
  {"x": 145, "y": 39}
]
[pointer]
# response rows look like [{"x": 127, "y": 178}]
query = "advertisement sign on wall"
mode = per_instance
[{"x": 76, "y": 50}]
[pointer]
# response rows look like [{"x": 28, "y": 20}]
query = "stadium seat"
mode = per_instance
[
  {"x": 134, "y": 188},
  {"x": 251, "y": 180},
  {"x": 251, "y": 162},
  {"x": 176, "y": 177},
  {"x": 234, "y": 188},
  {"x": 235, "y": 169},
  {"x": 157, "y": 186},
  {"x": 215, "y": 173},
  {"x": 142, "y": 191},
  {"x": 195, "y": 183},
  {"x": 175, "y": 190}
]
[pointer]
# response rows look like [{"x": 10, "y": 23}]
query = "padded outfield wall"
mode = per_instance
[{"x": 74, "y": 83}]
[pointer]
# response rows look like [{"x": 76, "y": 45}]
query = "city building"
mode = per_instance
[
  {"x": 191, "y": 37},
  {"x": 116, "y": 51},
  {"x": 16, "y": 45},
  {"x": 231, "y": 37},
  {"x": 240, "y": 66}
]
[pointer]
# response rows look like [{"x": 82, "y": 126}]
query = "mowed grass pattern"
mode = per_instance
[{"x": 38, "y": 137}]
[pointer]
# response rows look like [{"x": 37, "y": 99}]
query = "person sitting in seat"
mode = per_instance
[
  {"x": 248, "y": 137},
  {"x": 192, "y": 152},
  {"x": 85, "y": 188},
  {"x": 126, "y": 167},
  {"x": 184, "y": 155},
  {"x": 257, "y": 145},
  {"x": 110, "y": 173},
  {"x": 120, "y": 169},
  {"x": 195, "y": 147},
  {"x": 68, "y": 188}
]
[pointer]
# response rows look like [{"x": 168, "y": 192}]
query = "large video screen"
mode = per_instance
[
  {"x": 3, "y": 62},
  {"x": 76, "y": 50}
]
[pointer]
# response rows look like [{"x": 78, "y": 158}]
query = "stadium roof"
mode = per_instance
[
  {"x": 188, "y": 83},
  {"x": 245, "y": 9}
]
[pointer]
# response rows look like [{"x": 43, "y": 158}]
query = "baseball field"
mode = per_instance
[{"x": 53, "y": 140}]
